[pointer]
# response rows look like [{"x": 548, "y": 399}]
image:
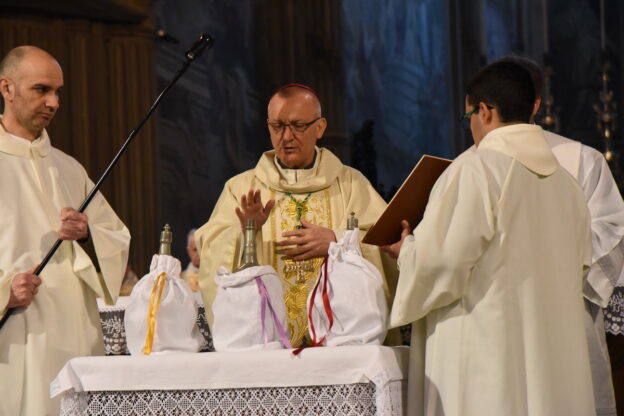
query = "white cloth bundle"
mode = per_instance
[
  {"x": 356, "y": 311},
  {"x": 161, "y": 315},
  {"x": 249, "y": 311}
]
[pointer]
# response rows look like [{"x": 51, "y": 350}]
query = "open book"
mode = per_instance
[{"x": 408, "y": 203}]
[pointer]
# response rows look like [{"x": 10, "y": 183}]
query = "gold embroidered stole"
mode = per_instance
[{"x": 298, "y": 277}]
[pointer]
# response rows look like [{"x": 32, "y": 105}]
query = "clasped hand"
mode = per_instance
[
  {"x": 24, "y": 288},
  {"x": 310, "y": 241},
  {"x": 74, "y": 225}
]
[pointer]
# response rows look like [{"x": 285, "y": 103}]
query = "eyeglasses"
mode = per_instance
[
  {"x": 295, "y": 128},
  {"x": 465, "y": 119}
]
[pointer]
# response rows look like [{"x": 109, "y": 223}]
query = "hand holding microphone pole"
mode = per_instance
[{"x": 204, "y": 41}]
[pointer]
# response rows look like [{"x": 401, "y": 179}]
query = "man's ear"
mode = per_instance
[
  {"x": 485, "y": 113},
  {"x": 7, "y": 89},
  {"x": 536, "y": 106},
  {"x": 321, "y": 125}
]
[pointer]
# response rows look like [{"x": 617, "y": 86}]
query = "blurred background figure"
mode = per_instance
[
  {"x": 129, "y": 280},
  {"x": 191, "y": 272}
]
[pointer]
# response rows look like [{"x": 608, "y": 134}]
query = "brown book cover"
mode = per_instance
[{"x": 408, "y": 203}]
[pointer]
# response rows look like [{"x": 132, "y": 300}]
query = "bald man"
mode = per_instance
[
  {"x": 191, "y": 272},
  {"x": 56, "y": 317},
  {"x": 300, "y": 197}
]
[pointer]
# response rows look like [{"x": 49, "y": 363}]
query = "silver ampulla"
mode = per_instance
[
  {"x": 352, "y": 222},
  {"x": 166, "y": 237},
  {"x": 249, "y": 246}
]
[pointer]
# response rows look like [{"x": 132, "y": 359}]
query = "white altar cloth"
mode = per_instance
[
  {"x": 226, "y": 370},
  {"x": 337, "y": 381}
]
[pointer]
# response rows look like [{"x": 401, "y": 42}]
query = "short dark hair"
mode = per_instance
[
  {"x": 537, "y": 75},
  {"x": 507, "y": 86}
]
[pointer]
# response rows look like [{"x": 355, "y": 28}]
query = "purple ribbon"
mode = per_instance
[{"x": 265, "y": 300}]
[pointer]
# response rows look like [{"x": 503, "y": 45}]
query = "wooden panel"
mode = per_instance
[{"x": 117, "y": 11}]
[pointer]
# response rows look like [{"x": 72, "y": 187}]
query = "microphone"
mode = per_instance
[{"x": 195, "y": 51}]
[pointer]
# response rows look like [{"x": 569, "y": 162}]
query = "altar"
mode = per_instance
[{"x": 349, "y": 380}]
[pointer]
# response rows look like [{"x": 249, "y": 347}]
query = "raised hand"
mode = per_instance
[{"x": 251, "y": 208}]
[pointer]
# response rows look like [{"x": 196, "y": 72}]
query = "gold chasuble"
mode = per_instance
[
  {"x": 298, "y": 277},
  {"x": 323, "y": 195}
]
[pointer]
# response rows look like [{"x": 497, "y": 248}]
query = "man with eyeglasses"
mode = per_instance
[
  {"x": 300, "y": 197},
  {"x": 493, "y": 276},
  {"x": 606, "y": 208}
]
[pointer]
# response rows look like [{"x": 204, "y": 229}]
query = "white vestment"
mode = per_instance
[
  {"x": 62, "y": 322},
  {"x": 606, "y": 209},
  {"x": 495, "y": 268}
]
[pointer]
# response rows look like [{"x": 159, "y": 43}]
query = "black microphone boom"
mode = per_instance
[{"x": 205, "y": 41}]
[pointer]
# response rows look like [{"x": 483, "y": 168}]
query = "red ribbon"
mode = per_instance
[{"x": 328, "y": 310}]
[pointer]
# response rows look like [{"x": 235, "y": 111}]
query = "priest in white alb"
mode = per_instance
[
  {"x": 56, "y": 316},
  {"x": 493, "y": 276},
  {"x": 606, "y": 209}
]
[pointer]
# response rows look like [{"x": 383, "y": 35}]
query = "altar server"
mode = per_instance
[
  {"x": 606, "y": 209},
  {"x": 41, "y": 186},
  {"x": 493, "y": 276}
]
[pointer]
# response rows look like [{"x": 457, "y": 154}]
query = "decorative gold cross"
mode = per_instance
[
  {"x": 299, "y": 207},
  {"x": 300, "y": 268}
]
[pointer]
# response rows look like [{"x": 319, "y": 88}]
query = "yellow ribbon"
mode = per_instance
[{"x": 151, "y": 313}]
